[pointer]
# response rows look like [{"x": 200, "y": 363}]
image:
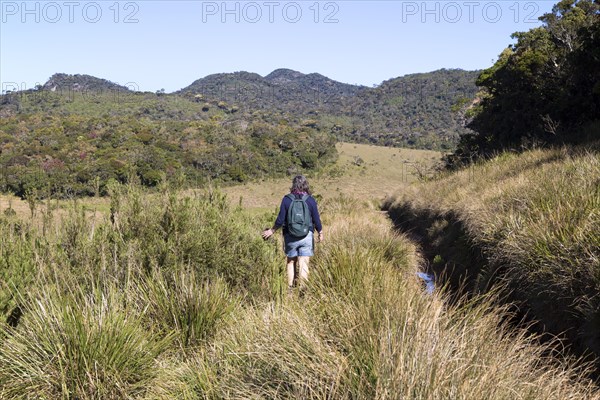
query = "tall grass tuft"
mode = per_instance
[
  {"x": 75, "y": 345},
  {"x": 365, "y": 329},
  {"x": 401, "y": 343},
  {"x": 277, "y": 353},
  {"x": 182, "y": 303},
  {"x": 535, "y": 219}
]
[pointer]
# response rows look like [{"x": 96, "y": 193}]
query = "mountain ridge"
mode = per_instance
[
  {"x": 80, "y": 82},
  {"x": 227, "y": 128},
  {"x": 279, "y": 76},
  {"x": 422, "y": 110}
]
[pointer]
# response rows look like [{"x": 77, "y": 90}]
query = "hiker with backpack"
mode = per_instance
[{"x": 299, "y": 217}]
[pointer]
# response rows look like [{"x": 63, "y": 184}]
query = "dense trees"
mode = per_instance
[
  {"x": 76, "y": 133},
  {"x": 54, "y": 151},
  {"x": 416, "y": 110},
  {"x": 544, "y": 89}
]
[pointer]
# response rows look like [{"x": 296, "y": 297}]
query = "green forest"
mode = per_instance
[
  {"x": 75, "y": 134},
  {"x": 543, "y": 90},
  {"x": 76, "y": 148}
]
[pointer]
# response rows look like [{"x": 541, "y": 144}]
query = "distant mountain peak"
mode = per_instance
[
  {"x": 78, "y": 82},
  {"x": 284, "y": 75}
]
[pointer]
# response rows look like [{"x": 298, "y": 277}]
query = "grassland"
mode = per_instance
[
  {"x": 362, "y": 171},
  {"x": 529, "y": 223},
  {"x": 175, "y": 296}
]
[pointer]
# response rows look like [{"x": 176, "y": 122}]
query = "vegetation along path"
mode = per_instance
[
  {"x": 524, "y": 224},
  {"x": 175, "y": 295}
]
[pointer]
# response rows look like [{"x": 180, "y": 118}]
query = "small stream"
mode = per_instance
[
  {"x": 429, "y": 282},
  {"x": 458, "y": 264}
]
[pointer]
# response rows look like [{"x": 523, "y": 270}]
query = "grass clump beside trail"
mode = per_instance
[
  {"x": 86, "y": 346},
  {"x": 365, "y": 329},
  {"x": 179, "y": 297},
  {"x": 529, "y": 221},
  {"x": 94, "y": 306}
]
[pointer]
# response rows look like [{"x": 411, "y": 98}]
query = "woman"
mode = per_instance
[{"x": 297, "y": 249}]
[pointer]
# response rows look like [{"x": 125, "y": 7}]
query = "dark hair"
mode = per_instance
[{"x": 300, "y": 184}]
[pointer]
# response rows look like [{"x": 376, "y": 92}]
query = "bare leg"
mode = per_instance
[
  {"x": 290, "y": 270},
  {"x": 303, "y": 267}
]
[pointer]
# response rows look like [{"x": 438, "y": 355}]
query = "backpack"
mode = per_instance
[{"x": 298, "y": 219}]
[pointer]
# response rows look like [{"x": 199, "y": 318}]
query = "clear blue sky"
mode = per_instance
[{"x": 168, "y": 44}]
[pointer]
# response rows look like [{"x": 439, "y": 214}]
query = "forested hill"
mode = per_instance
[
  {"x": 282, "y": 89},
  {"x": 77, "y": 82},
  {"x": 76, "y": 133},
  {"x": 418, "y": 110}
]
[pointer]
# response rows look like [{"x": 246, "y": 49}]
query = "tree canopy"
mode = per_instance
[{"x": 545, "y": 89}]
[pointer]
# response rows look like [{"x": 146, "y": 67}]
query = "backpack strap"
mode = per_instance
[
  {"x": 292, "y": 196},
  {"x": 304, "y": 198}
]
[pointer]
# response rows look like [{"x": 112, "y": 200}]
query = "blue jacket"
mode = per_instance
[{"x": 314, "y": 212}]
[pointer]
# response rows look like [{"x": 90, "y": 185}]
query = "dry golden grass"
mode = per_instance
[
  {"x": 95, "y": 208},
  {"x": 380, "y": 172},
  {"x": 361, "y": 171},
  {"x": 536, "y": 217},
  {"x": 365, "y": 329},
  {"x": 20, "y": 206}
]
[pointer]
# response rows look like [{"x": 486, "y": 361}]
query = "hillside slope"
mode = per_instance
[
  {"x": 416, "y": 110},
  {"x": 530, "y": 222},
  {"x": 77, "y": 82},
  {"x": 281, "y": 89},
  {"x": 77, "y": 132}
]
